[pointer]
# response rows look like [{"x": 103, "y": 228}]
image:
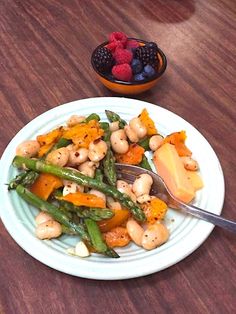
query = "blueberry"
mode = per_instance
[
  {"x": 136, "y": 66},
  {"x": 152, "y": 45},
  {"x": 139, "y": 77},
  {"x": 149, "y": 71}
]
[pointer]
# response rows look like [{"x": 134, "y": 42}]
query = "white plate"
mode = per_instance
[{"x": 187, "y": 233}]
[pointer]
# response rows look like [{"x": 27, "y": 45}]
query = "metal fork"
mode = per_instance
[{"x": 130, "y": 173}]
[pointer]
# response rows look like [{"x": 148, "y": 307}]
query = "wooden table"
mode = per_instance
[{"x": 45, "y": 49}]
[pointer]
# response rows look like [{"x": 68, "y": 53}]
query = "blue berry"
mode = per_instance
[
  {"x": 136, "y": 66},
  {"x": 149, "y": 71},
  {"x": 139, "y": 77}
]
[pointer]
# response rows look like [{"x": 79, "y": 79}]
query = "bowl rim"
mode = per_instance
[{"x": 131, "y": 83}]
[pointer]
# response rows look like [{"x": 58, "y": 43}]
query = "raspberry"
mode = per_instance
[
  {"x": 122, "y": 72},
  {"x": 114, "y": 45},
  {"x": 118, "y": 36},
  {"x": 132, "y": 44},
  {"x": 123, "y": 56}
]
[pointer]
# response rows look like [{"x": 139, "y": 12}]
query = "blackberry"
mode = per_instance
[
  {"x": 103, "y": 60},
  {"x": 147, "y": 55}
]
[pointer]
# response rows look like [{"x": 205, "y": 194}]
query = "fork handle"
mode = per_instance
[{"x": 210, "y": 217}]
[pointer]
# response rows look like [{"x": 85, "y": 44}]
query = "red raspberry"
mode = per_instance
[
  {"x": 114, "y": 45},
  {"x": 122, "y": 72},
  {"x": 123, "y": 56},
  {"x": 132, "y": 44},
  {"x": 118, "y": 36}
]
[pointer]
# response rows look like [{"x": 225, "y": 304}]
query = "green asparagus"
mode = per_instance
[
  {"x": 97, "y": 240},
  {"x": 25, "y": 178},
  {"x": 113, "y": 117},
  {"x": 73, "y": 175},
  {"x": 53, "y": 210},
  {"x": 145, "y": 163},
  {"x": 92, "y": 116},
  {"x": 144, "y": 143}
]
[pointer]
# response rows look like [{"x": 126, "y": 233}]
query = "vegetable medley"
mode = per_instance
[{"x": 69, "y": 174}]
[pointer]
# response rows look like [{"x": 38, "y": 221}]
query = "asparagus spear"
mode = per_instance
[
  {"x": 113, "y": 117},
  {"x": 97, "y": 240},
  {"x": 108, "y": 161},
  {"x": 53, "y": 210},
  {"x": 73, "y": 175},
  {"x": 25, "y": 178},
  {"x": 91, "y": 212},
  {"x": 144, "y": 143},
  {"x": 145, "y": 164},
  {"x": 92, "y": 116}
]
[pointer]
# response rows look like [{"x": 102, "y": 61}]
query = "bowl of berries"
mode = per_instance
[{"x": 128, "y": 65}]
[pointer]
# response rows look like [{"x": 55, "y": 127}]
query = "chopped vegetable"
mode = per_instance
[
  {"x": 84, "y": 199},
  {"x": 45, "y": 184},
  {"x": 154, "y": 210},
  {"x": 133, "y": 156},
  {"x": 117, "y": 237},
  {"x": 148, "y": 122},
  {"x": 178, "y": 139},
  {"x": 47, "y": 140},
  {"x": 120, "y": 216}
]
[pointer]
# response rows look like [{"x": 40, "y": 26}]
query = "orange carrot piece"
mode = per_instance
[
  {"x": 51, "y": 137},
  {"x": 45, "y": 184},
  {"x": 148, "y": 122},
  {"x": 154, "y": 210},
  {"x": 84, "y": 199},
  {"x": 120, "y": 216},
  {"x": 133, "y": 156},
  {"x": 178, "y": 139},
  {"x": 117, "y": 237}
]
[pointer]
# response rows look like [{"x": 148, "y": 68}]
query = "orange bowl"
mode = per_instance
[{"x": 132, "y": 87}]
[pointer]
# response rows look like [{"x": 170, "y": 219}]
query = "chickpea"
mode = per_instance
[
  {"x": 97, "y": 150},
  {"x": 142, "y": 185},
  {"x": 75, "y": 119},
  {"x": 28, "y": 149},
  {"x": 124, "y": 187},
  {"x": 88, "y": 168},
  {"x": 154, "y": 236},
  {"x": 77, "y": 157},
  {"x": 98, "y": 193},
  {"x": 114, "y": 126},
  {"x": 119, "y": 142},
  {"x": 42, "y": 217},
  {"x": 58, "y": 157},
  {"x": 155, "y": 142},
  {"x": 135, "y": 231},
  {"x": 48, "y": 230},
  {"x": 131, "y": 134},
  {"x": 138, "y": 127},
  {"x": 190, "y": 163}
]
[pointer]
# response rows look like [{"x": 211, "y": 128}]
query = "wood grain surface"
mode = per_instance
[{"x": 45, "y": 48}]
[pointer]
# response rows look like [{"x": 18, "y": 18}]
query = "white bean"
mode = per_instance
[
  {"x": 58, "y": 157},
  {"x": 88, "y": 168},
  {"x": 98, "y": 193},
  {"x": 75, "y": 119},
  {"x": 135, "y": 231},
  {"x": 97, "y": 150},
  {"x": 190, "y": 163},
  {"x": 154, "y": 236},
  {"x": 72, "y": 187},
  {"x": 28, "y": 149},
  {"x": 131, "y": 134},
  {"x": 155, "y": 142},
  {"x": 78, "y": 156},
  {"x": 143, "y": 198},
  {"x": 138, "y": 127},
  {"x": 119, "y": 142},
  {"x": 114, "y": 126},
  {"x": 124, "y": 187},
  {"x": 142, "y": 185},
  {"x": 112, "y": 204},
  {"x": 48, "y": 230},
  {"x": 42, "y": 217}
]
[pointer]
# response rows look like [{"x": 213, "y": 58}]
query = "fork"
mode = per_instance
[{"x": 130, "y": 173}]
